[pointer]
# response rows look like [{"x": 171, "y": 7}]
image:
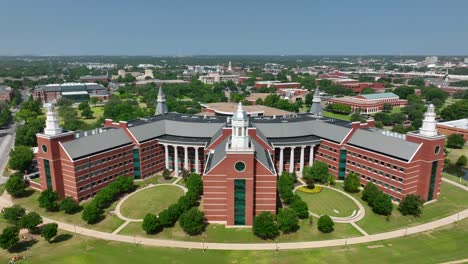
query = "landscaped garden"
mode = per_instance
[{"x": 330, "y": 202}]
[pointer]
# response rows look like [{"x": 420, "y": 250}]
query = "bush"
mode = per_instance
[
  {"x": 318, "y": 172},
  {"x": 14, "y": 214},
  {"x": 310, "y": 183},
  {"x": 49, "y": 231},
  {"x": 382, "y": 204},
  {"x": 194, "y": 183},
  {"x": 455, "y": 141},
  {"x": 325, "y": 224},
  {"x": 264, "y": 226},
  {"x": 285, "y": 187},
  {"x": 69, "y": 206},
  {"x": 305, "y": 189},
  {"x": 461, "y": 161},
  {"x": 15, "y": 185},
  {"x": 300, "y": 207},
  {"x": 21, "y": 158},
  {"x": 31, "y": 221},
  {"x": 287, "y": 220},
  {"x": 369, "y": 193},
  {"x": 152, "y": 224},
  {"x": 411, "y": 205},
  {"x": 193, "y": 221},
  {"x": 48, "y": 200},
  {"x": 166, "y": 174},
  {"x": 92, "y": 213},
  {"x": 169, "y": 216},
  {"x": 352, "y": 183},
  {"x": 331, "y": 180},
  {"x": 9, "y": 237},
  {"x": 189, "y": 200}
]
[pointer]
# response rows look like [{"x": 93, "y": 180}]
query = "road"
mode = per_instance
[{"x": 7, "y": 141}]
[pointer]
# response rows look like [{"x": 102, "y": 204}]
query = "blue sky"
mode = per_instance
[{"x": 236, "y": 27}]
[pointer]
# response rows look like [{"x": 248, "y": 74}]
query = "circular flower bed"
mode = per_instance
[{"x": 316, "y": 189}]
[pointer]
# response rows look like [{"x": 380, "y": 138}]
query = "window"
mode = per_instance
[
  {"x": 400, "y": 179},
  {"x": 239, "y": 202}
]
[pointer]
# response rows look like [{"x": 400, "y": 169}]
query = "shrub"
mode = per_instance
[
  {"x": 49, "y": 231},
  {"x": 48, "y": 200},
  {"x": 31, "y": 221},
  {"x": 194, "y": 183},
  {"x": 300, "y": 207},
  {"x": 14, "y": 214},
  {"x": 9, "y": 237},
  {"x": 193, "y": 221},
  {"x": 166, "y": 174},
  {"x": 169, "y": 216},
  {"x": 285, "y": 187},
  {"x": 325, "y": 224},
  {"x": 287, "y": 220},
  {"x": 331, "y": 180},
  {"x": 189, "y": 200},
  {"x": 461, "y": 161},
  {"x": 152, "y": 224},
  {"x": 318, "y": 172},
  {"x": 185, "y": 174},
  {"x": 382, "y": 204},
  {"x": 264, "y": 226},
  {"x": 411, "y": 205},
  {"x": 15, "y": 185},
  {"x": 92, "y": 213},
  {"x": 352, "y": 183},
  {"x": 69, "y": 206},
  {"x": 369, "y": 193},
  {"x": 310, "y": 183},
  {"x": 305, "y": 189}
]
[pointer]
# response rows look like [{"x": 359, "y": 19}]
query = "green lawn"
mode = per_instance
[
  {"x": 337, "y": 116},
  {"x": 441, "y": 245},
  {"x": 454, "y": 154},
  {"x": 329, "y": 202},
  {"x": 456, "y": 179},
  {"x": 108, "y": 224},
  {"x": 451, "y": 200},
  {"x": 152, "y": 200},
  {"x": 98, "y": 112}
]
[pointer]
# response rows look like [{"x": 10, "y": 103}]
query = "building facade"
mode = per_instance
[
  {"x": 370, "y": 103},
  {"x": 239, "y": 156},
  {"x": 6, "y": 93},
  {"x": 75, "y": 91}
]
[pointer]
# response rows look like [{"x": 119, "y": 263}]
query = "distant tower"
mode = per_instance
[
  {"x": 161, "y": 107},
  {"x": 240, "y": 122},
  {"x": 429, "y": 123},
  {"x": 229, "y": 67},
  {"x": 52, "y": 122},
  {"x": 316, "y": 108}
]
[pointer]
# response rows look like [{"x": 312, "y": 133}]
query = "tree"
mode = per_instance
[
  {"x": 69, "y": 206},
  {"x": 264, "y": 226},
  {"x": 166, "y": 174},
  {"x": 300, "y": 207},
  {"x": 94, "y": 100},
  {"x": 404, "y": 91},
  {"x": 49, "y": 231},
  {"x": 382, "y": 204},
  {"x": 195, "y": 183},
  {"x": 92, "y": 213},
  {"x": 170, "y": 215},
  {"x": 325, "y": 224},
  {"x": 367, "y": 90},
  {"x": 189, "y": 200},
  {"x": 152, "y": 224},
  {"x": 461, "y": 161},
  {"x": 399, "y": 128},
  {"x": 14, "y": 214},
  {"x": 318, "y": 172},
  {"x": 26, "y": 134},
  {"x": 457, "y": 110},
  {"x": 411, "y": 205},
  {"x": 378, "y": 124},
  {"x": 369, "y": 193},
  {"x": 455, "y": 141},
  {"x": 31, "y": 221},
  {"x": 193, "y": 221},
  {"x": 287, "y": 220},
  {"x": 21, "y": 158},
  {"x": 352, "y": 183},
  {"x": 9, "y": 237},
  {"x": 15, "y": 185},
  {"x": 387, "y": 107},
  {"x": 48, "y": 200}
]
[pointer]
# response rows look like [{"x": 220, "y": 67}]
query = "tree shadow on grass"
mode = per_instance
[
  {"x": 62, "y": 237},
  {"x": 22, "y": 246}
]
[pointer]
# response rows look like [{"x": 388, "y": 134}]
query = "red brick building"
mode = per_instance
[
  {"x": 459, "y": 127},
  {"x": 75, "y": 91},
  {"x": 6, "y": 93},
  {"x": 369, "y": 103}
]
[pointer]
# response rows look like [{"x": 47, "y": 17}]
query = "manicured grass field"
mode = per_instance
[
  {"x": 454, "y": 154},
  {"x": 152, "y": 200},
  {"x": 337, "y": 116},
  {"x": 221, "y": 234},
  {"x": 329, "y": 202},
  {"x": 441, "y": 245},
  {"x": 451, "y": 200},
  {"x": 108, "y": 224},
  {"x": 98, "y": 112},
  {"x": 455, "y": 179}
]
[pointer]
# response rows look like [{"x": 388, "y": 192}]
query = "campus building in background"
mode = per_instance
[
  {"x": 370, "y": 103},
  {"x": 75, "y": 91},
  {"x": 6, "y": 93},
  {"x": 239, "y": 157}
]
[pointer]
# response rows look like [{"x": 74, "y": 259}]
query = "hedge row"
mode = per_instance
[{"x": 295, "y": 202}]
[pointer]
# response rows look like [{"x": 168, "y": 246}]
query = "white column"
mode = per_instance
[
  {"x": 311, "y": 156},
  {"x": 176, "y": 161},
  {"x": 301, "y": 166},
  {"x": 166, "y": 154},
  {"x": 197, "y": 162},
  {"x": 291, "y": 160},
  {"x": 281, "y": 161},
  {"x": 186, "y": 167}
]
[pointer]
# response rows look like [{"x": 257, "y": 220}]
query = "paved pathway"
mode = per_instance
[{"x": 455, "y": 183}]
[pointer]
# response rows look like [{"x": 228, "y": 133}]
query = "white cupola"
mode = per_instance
[
  {"x": 52, "y": 122},
  {"x": 429, "y": 123},
  {"x": 240, "y": 123}
]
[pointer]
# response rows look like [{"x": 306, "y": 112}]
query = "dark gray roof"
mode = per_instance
[
  {"x": 376, "y": 142},
  {"x": 295, "y": 140},
  {"x": 217, "y": 155},
  {"x": 263, "y": 156},
  {"x": 88, "y": 145}
]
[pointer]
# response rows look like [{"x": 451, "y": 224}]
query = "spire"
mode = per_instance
[
  {"x": 229, "y": 67},
  {"x": 161, "y": 107},
  {"x": 52, "y": 122},
  {"x": 240, "y": 122},
  {"x": 316, "y": 108},
  {"x": 429, "y": 123}
]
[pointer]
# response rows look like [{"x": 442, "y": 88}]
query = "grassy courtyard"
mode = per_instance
[
  {"x": 330, "y": 202},
  {"x": 152, "y": 200},
  {"x": 337, "y": 116},
  {"x": 454, "y": 154},
  {"x": 440, "y": 245}
]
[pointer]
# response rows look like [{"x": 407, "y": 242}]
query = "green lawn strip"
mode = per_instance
[
  {"x": 152, "y": 200},
  {"x": 456, "y": 179},
  {"x": 436, "y": 246},
  {"x": 337, "y": 116},
  {"x": 327, "y": 201},
  {"x": 454, "y": 154},
  {"x": 451, "y": 200},
  {"x": 108, "y": 224},
  {"x": 221, "y": 234}
]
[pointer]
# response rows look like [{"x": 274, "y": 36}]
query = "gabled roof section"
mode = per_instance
[
  {"x": 216, "y": 155},
  {"x": 392, "y": 146},
  {"x": 263, "y": 156}
]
